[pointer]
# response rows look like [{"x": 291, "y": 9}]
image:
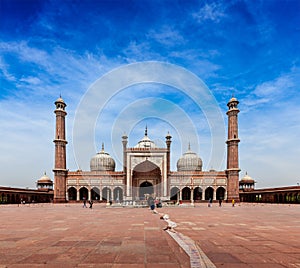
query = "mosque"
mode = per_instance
[{"x": 146, "y": 170}]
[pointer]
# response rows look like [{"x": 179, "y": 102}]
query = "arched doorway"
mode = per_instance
[
  {"x": 186, "y": 193},
  {"x": 118, "y": 194},
  {"x": 295, "y": 198},
  {"x": 220, "y": 193},
  {"x": 72, "y": 193},
  {"x": 146, "y": 179},
  {"x": 2, "y": 198},
  {"x": 209, "y": 193},
  {"x": 106, "y": 194},
  {"x": 83, "y": 193},
  {"x": 198, "y": 194},
  {"x": 146, "y": 187},
  {"x": 175, "y": 193},
  {"x": 95, "y": 193}
]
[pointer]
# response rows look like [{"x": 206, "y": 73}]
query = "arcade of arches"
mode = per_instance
[
  {"x": 290, "y": 194},
  {"x": 10, "y": 195},
  {"x": 197, "y": 194},
  {"x": 146, "y": 188}
]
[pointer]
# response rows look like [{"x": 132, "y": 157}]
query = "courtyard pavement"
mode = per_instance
[{"x": 68, "y": 235}]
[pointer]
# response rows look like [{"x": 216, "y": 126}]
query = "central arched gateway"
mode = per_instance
[
  {"x": 146, "y": 179},
  {"x": 146, "y": 162},
  {"x": 146, "y": 188}
]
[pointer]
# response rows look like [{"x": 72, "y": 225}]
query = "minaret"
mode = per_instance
[
  {"x": 168, "y": 142},
  {"x": 124, "y": 141},
  {"x": 233, "y": 151},
  {"x": 60, "y": 171}
]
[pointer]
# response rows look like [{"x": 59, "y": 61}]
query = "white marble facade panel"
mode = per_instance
[{"x": 136, "y": 159}]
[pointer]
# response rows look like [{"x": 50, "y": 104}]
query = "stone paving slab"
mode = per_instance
[
  {"x": 247, "y": 235},
  {"x": 67, "y": 235}
]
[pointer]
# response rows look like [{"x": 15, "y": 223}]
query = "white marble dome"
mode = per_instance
[
  {"x": 102, "y": 161},
  {"x": 189, "y": 161}
]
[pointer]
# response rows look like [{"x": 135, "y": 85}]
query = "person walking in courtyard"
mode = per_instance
[
  {"x": 220, "y": 202},
  {"x": 84, "y": 203},
  {"x": 210, "y": 202},
  {"x": 232, "y": 202},
  {"x": 151, "y": 203},
  {"x": 91, "y": 204}
]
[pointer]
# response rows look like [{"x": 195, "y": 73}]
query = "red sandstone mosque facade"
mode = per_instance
[{"x": 146, "y": 170}]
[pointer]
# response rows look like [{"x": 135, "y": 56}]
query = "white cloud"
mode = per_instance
[
  {"x": 167, "y": 36},
  {"x": 272, "y": 89},
  {"x": 110, "y": 127},
  {"x": 210, "y": 12},
  {"x": 139, "y": 51},
  {"x": 27, "y": 117},
  {"x": 270, "y": 146},
  {"x": 5, "y": 72},
  {"x": 31, "y": 80},
  {"x": 282, "y": 89},
  {"x": 25, "y": 141}
]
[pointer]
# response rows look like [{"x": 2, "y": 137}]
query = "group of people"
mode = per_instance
[
  {"x": 154, "y": 203},
  {"x": 90, "y": 203},
  {"x": 220, "y": 202}
]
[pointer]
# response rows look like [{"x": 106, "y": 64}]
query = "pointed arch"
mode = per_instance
[
  {"x": 220, "y": 194},
  {"x": 95, "y": 193},
  {"x": 106, "y": 194},
  {"x": 72, "y": 193},
  {"x": 198, "y": 194},
  {"x": 209, "y": 193},
  {"x": 83, "y": 193},
  {"x": 174, "y": 193},
  {"x": 118, "y": 194},
  {"x": 186, "y": 193}
]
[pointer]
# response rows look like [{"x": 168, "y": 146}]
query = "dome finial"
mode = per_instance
[
  {"x": 146, "y": 131},
  {"x": 102, "y": 146},
  {"x": 189, "y": 148}
]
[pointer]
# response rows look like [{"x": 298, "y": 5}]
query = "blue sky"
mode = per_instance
[{"x": 247, "y": 48}]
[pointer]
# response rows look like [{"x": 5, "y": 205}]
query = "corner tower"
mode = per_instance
[
  {"x": 233, "y": 151},
  {"x": 60, "y": 171}
]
